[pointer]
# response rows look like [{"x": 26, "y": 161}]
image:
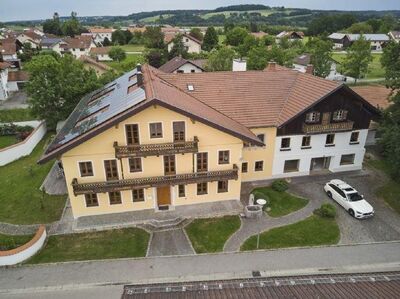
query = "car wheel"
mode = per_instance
[
  {"x": 351, "y": 212},
  {"x": 329, "y": 193}
]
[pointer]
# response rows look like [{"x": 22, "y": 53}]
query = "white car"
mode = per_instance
[{"x": 349, "y": 199}]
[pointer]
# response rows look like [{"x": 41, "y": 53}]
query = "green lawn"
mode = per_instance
[
  {"x": 313, "y": 231},
  {"x": 20, "y": 197},
  {"x": 133, "y": 48},
  {"x": 281, "y": 203},
  {"x": 7, "y": 141},
  {"x": 210, "y": 235},
  {"x": 119, "y": 243},
  {"x": 8, "y": 242},
  {"x": 14, "y": 115},
  {"x": 375, "y": 69},
  {"x": 127, "y": 64}
]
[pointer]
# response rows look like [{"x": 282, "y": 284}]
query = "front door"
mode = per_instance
[{"x": 163, "y": 196}]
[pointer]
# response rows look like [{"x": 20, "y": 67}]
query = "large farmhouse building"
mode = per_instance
[{"x": 155, "y": 140}]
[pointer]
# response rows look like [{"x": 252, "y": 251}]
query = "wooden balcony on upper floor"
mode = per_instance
[
  {"x": 158, "y": 181},
  {"x": 156, "y": 149},
  {"x": 331, "y": 127}
]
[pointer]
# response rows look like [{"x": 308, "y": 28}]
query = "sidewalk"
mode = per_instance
[{"x": 297, "y": 261}]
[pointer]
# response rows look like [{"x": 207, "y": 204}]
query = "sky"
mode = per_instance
[{"x": 11, "y": 10}]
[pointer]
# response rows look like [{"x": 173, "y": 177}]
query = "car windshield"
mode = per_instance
[{"x": 354, "y": 196}]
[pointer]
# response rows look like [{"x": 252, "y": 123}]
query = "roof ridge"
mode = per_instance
[{"x": 287, "y": 98}]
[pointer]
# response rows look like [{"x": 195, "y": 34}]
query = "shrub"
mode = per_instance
[
  {"x": 326, "y": 211},
  {"x": 280, "y": 185}
]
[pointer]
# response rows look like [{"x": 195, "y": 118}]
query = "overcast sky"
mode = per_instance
[{"x": 39, "y": 9}]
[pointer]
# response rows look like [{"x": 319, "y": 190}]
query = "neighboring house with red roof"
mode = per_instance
[
  {"x": 101, "y": 53},
  {"x": 31, "y": 38},
  {"x": 8, "y": 49},
  {"x": 191, "y": 44},
  {"x": 182, "y": 65},
  {"x": 77, "y": 46},
  {"x": 156, "y": 141},
  {"x": 99, "y": 34}
]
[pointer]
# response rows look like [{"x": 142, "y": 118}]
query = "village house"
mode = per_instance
[
  {"x": 31, "y": 38},
  {"x": 100, "y": 34},
  {"x": 52, "y": 43},
  {"x": 345, "y": 40},
  {"x": 191, "y": 44},
  {"x": 101, "y": 53},
  {"x": 182, "y": 65},
  {"x": 77, "y": 46},
  {"x": 155, "y": 140},
  {"x": 394, "y": 35},
  {"x": 302, "y": 63},
  {"x": 290, "y": 35}
]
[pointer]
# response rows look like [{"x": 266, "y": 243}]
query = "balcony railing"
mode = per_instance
[
  {"x": 327, "y": 128},
  {"x": 157, "y": 149},
  {"x": 158, "y": 181}
]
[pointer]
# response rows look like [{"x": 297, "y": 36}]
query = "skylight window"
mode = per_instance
[{"x": 190, "y": 87}]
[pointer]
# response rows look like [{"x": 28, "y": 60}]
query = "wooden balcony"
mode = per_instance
[
  {"x": 157, "y": 149},
  {"x": 158, "y": 181},
  {"x": 328, "y": 128}
]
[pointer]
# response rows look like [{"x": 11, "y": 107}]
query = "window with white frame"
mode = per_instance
[
  {"x": 339, "y": 115},
  {"x": 313, "y": 117}
]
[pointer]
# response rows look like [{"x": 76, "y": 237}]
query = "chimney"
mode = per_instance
[
  {"x": 239, "y": 65},
  {"x": 271, "y": 66},
  {"x": 310, "y": 69},
  {"x": 139, "y": 75}
]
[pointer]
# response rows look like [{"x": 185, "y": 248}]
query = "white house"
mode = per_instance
[
  {"x": 101, "y": 53},
  {"x": 77, "y": 46},
  {"x": 4, "y": 93},
  {"x": 31, "y": 38},
  {"x": 182, "y": 65},
  {"x": 53, "y": 44},
  {"x": 394, "y": 35},
  {"x": 191, "y": 44},
  {"x": 345, "y": 40},
  {"x": 302, "y": 62},
  {"x": 290, "y": 35},
  {"x": 100, "y": 34}
]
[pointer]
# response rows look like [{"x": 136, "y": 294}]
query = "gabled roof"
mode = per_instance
[
  {"x": 81, "y": 41},
  {"x": 100, "y": 50},
  {"x": 8, "y": 46},
  {"x": 176, "y": 62},
  {"x": 50, "y": 41},
  {"x": 354, "y": 37},
  {"x": 377, "y": 95},
  {"x": 35, "y": 37},
  {"x": 300, "y": 34},
  {"x": 170, "y": 36}
]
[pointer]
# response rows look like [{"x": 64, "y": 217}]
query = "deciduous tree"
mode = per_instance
[
  {"x": 358, "y": 58},
  {"x": 236, "y": 36},
  {"x": 210, "y": 39},
  {"x": 220, "y": 60},
  {"x": 321, "y": 56},
  {"x": 117, "y": 53}
]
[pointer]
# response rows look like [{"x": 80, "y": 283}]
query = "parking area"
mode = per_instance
[{"x": 384, "y": 226}]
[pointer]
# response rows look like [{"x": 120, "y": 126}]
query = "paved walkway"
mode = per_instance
[
  {"x": 54, "y": 183},
  {"x": 170, "y": 242},
  {"x": 18, "y": 99},
  {"x": 297, "y": 261}
]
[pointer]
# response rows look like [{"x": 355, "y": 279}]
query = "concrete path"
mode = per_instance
[
  {"x": 18, "y": 99},
  {"x": 297, "y": 261},
  {"x": 170, "y": 242}
]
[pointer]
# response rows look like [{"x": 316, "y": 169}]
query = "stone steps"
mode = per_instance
[{"x": 164, "y": 225}]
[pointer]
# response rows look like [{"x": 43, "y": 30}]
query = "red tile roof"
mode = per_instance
[
  {"x": 101, "y": 30},
  {"x": 176, "y": 62},
  {"x": 376, "y": 95},
  {"x": 82, "y": 41},
  {"x": 100, "y": 50},
  {"x": 8, "y": 46}
]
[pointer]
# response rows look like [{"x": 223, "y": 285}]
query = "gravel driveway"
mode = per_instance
[{"x": 384, "y": 226}]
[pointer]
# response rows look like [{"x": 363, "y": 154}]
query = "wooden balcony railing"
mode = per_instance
[
  {"x": 158, "y": 181},
  {"x": 157, "y": 149},
  {"x": 327, "y": 128}
]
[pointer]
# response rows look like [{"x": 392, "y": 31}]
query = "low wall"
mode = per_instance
[
  {"x": 25, "y": 147},
  {"x": 22, "y": 253}
]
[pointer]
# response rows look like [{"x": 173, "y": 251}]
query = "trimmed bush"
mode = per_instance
[
  {"x": 326, "y": 211},
  {"x": 280, "y": 185}
]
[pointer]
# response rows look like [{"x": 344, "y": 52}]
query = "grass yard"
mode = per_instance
[
  {"x": 281, "y": 203},
  {"x": 375, "y": 69},
  {"x": 127, "y": 64},
  {"x": 8, "y": 242},
  {"x": 119, "y": 243},
  {"x": 133, "y": 48},
  {"x": 20, "y": 197},
  {"x": 210, "y": 235},
  {"x": 6, "y": 141},
  {"x": 313, "y": 231},
  {"x": 14, "y": 115}
]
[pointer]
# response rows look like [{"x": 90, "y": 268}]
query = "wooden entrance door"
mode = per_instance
[{"x": 163, "y": 196}]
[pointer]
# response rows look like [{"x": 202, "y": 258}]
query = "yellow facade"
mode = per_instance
[{"x": 100, "y": 148}]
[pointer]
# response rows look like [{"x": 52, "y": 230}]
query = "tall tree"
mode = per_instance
[
  {"x": 153, "y": 38},
  {"x": 196, "y": 33},
  {"x": 361, "y": 27},
  {"x": 117, "y": 54},
  {"x": 248, "y": 43},
  {"x": 220, "y": 60},
  {"x": 390, "y": 123},
  {"x": 236, "y": 36},
  {"x": 178, "y": 47},
  {"x": 56, "y": 85},
  {"x": 321, "y": 56},
  {"x": 156, "y": 57},
  {"x": 258, "y": 58},
  {"x": 358, "y": 58},
  {"x": 210, "y": 39},
  {"x": 72, "y": 26},
  {"x": 53, "y": 26},
  {"x": 118, "y": 37}
]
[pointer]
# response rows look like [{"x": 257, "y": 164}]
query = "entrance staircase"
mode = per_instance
[{"x": 155, "y": 225}]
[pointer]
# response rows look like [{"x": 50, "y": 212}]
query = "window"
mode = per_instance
[
  {"x": 156, "y": 130},
  {"x": 354, "y": 137},
  {"x": 312, "y": 117},
  {"x": 180, "y": 71},
  {"x": 91, "y": 200},
  {"x": 258, "y": 166},
  {"x": 245, "y": 167},
  {"x": 169, "y": 164},
  {"x": 132, "y": 134},
  {"x": 339, "y": 115},
  {"x": 181, "y": 190},
  {"x": 137, "y": 195},
  {"x": 261, "y": 137},
  {"x": 86, "y": 169},
  {"x": 179, "y": 130},
  {"x": 306, "y": 142},
  {"x": 111, "y": 169},
  {"x": 223, "y": 157},
  {"x": 115, "y": 198},
  {"x": 347, "y": 159},
  {"x": 201, "y": 188},
  {"x": 285, "y": 143},
  {"x": 291, "y": 166},
  {"x": 135, "y": 164},
  {"x": 222, "y": 186},
  {"x": 202, "y": 161},
  {"x": 330, "y": 140},
  {"x": 192, "y": 71}
]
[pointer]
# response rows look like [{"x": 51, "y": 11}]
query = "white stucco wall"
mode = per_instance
[
  {"x": 188, "y": 67},
  {"x": 24, "y": 148},
  {"x": 3, "y": 84},
  {"x": 317, "y": 150},
  {"x": 192, "y": 46}
]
